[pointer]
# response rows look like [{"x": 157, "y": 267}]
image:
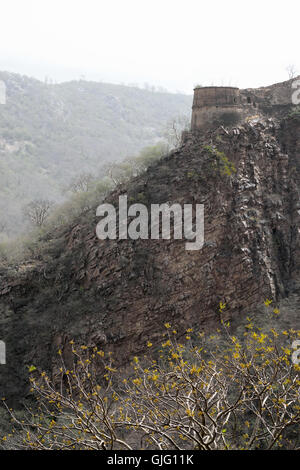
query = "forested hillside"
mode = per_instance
[{"x": 50, "y": 133}]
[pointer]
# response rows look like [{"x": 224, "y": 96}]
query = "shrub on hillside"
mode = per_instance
[{"x": 204, "y": 394}]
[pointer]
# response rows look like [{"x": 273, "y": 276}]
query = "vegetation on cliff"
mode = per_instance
[{"x": 198, "y": 392}]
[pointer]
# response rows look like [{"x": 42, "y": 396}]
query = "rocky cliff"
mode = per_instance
[{"x": 117, "y": 294}]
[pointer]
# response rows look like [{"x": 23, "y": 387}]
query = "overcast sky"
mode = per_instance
[{"x": 170, "y": 43}]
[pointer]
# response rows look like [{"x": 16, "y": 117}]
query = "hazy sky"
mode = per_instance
[{"x": 169, "y": 43}]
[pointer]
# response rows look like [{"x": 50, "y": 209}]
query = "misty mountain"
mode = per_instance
[{"x": 50, "y": 133}]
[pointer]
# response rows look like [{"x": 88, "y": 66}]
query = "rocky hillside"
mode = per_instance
[
  {"x": 118, "y": 294},
  {"x": 50, "y": 133}
]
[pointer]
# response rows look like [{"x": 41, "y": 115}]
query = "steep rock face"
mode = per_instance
[{"x": 117, "y": 294}]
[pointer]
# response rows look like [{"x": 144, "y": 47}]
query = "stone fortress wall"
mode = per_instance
[
  {"x": 219, "y": 105},
  {"x": 227, "y": 105}
]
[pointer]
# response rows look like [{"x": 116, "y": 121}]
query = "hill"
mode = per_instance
[
  {"x": 50, "y": 133},
  {"x": 117, "y": 294}
]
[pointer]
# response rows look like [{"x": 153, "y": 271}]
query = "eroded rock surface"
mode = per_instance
[{"x": 118, "y": 294}]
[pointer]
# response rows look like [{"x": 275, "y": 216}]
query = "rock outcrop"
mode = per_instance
[{"x": 117, "y": 294}]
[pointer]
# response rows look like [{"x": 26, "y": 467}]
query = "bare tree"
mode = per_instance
[
  {"x": 119, "y": 172},
  {"x": 81, "y": 183},
  {"x": 37, "y": 211},
  {"x": 132, "y": 166},
  {"x": 174, "y": 129},
  {"x": 3, "y": 226},
  {"x": 291, "y": 70},
  {"x": 245, "y": 396}
]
